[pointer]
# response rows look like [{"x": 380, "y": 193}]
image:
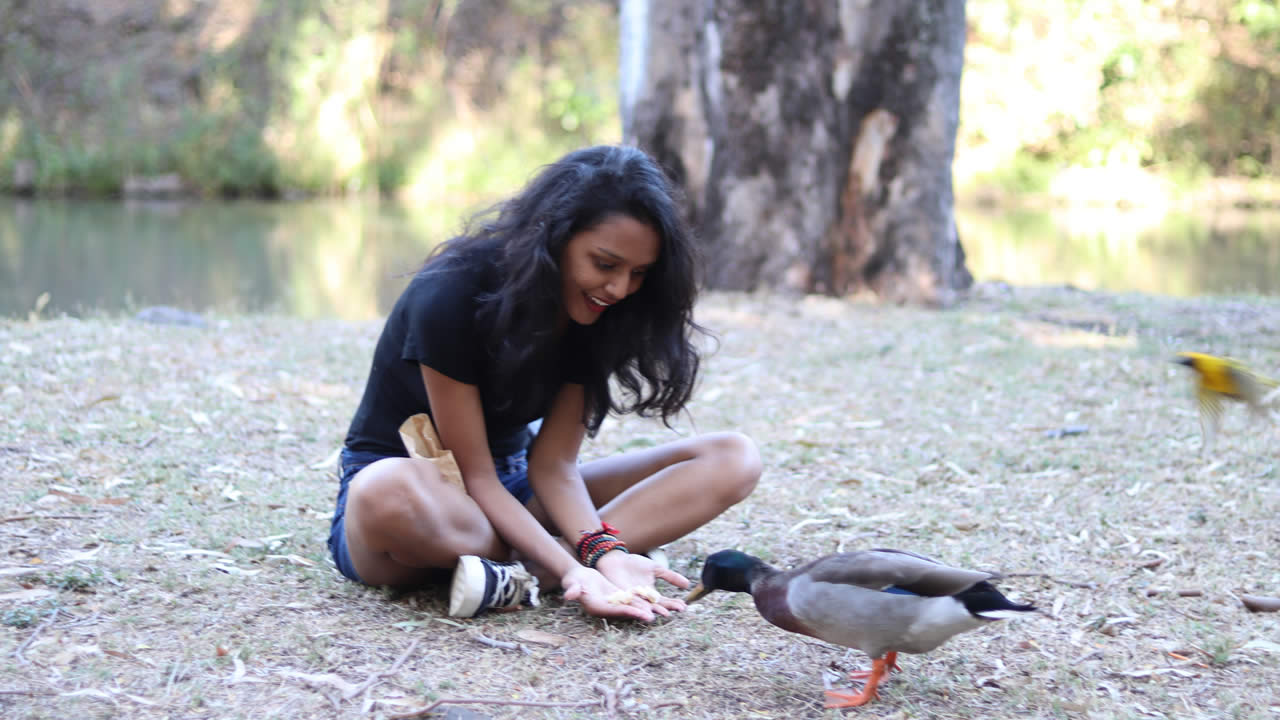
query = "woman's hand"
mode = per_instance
[
  {"x": 611, "y": 595},
  {"x": 638, "y": 575}
]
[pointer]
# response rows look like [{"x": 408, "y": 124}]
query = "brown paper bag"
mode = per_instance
[{"x": 419, "y": 436}]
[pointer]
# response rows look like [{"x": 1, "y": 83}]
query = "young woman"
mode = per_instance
[{"x": 566, "y": 302}]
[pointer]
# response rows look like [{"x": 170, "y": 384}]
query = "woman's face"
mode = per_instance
[{"x": 603, "y": 265}]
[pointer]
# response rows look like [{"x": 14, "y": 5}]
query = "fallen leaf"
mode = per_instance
[
  {"x": 329, "y": 463},
  {"x": 127, "y": 656},
  {"x": 27, "y": 595},
  {"x": 409, "y": 624},
  {"x": 291, "y": 559},
  {"x": 1259, "y": 603},
  {"x": 808, "y": 521},
  {"x": 539, "y": 637},
  {"x": 1067, "y": 431},
  {"x": 1153, "y": 672},
  {"x": 107, "y": 397},
  {"x": 323, "y": 679},
  {"x": 233, "y": 570},
  {"x": 115, "y": 481},
  {"x": 112, "y": 695},
  {"x": 196, "y": 551},
  {"x": 73, "y": 497},
  {"x": 81, "y": 556},
  {"x": 1261, "y": 645}
]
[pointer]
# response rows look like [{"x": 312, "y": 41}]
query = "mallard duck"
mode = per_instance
[
  {"x": 881, "y": 602},
  {"x": 1219, "y": 378}
]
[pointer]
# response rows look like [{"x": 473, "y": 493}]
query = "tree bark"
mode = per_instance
[{"x": 813, "y": 138}]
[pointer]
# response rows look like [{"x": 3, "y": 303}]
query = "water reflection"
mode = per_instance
[
  {"x": 348, "y": 259},
  {"x": 1176, "y": 254},
  {"x": 335, "y": 258}
]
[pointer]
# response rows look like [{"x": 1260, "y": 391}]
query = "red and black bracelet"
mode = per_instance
[{"x": 595, "y": 543}]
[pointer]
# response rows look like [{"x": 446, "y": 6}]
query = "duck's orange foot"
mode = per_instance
[
  {"x": 890, "y": 661},
  {"x": 879, "y": 666},
  {"x": 841, "y": 699}
]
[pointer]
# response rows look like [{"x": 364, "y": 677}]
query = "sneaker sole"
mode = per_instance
[
  {"x": 467, "y": 591},
  {"x": 659, "y": 557}
]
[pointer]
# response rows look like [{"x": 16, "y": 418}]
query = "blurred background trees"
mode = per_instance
[
  {"x": 1151, "y": 104},
  {"x": 316, "y": 96},
  {"x": 1180, "y": 89}
]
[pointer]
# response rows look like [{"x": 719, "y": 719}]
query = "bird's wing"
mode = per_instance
[
  {"x": 1210, "y": 403},
  {"x": 1250, "y": 387},
  {"x": 882, "y": 568}
]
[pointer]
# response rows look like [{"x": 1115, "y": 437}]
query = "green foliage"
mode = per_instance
[
  {"x": 23, "y": 616},
  {"x": 1176, "y": 90},
  {"x": 313, "y": 97},
  {"x": 220, "y": 154},
  {"x": 1023, "y": 172},
  {"x": 1262, "y": 18},
  {"x": 76, "y": 579},
  {"x": 325, "y": 97}
]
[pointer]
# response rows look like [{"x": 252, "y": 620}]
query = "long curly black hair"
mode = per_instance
[{"x": 645, "y": 344}]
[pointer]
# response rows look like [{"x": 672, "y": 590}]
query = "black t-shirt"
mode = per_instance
[{"x": 433, "y": 323}]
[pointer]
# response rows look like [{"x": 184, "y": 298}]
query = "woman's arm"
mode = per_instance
[
  {"x": 553, "y": 467},
  {"x": 459, "y": 419},
  {"x": 562, "y": 493}
]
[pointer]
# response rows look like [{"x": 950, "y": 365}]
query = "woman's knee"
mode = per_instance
[
  {"x": 737, "y": 462},
  {"x": 386, "y": 496}
]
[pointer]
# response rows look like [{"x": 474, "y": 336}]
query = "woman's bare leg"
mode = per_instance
[
  {"x": 402, "y": 519},
  {"x": 657, "y": 495}
]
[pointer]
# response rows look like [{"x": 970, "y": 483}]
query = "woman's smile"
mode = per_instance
[{"x": 601, "y": 266}]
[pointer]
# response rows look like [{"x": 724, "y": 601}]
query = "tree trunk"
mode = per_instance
[{"x": 813, "y": 138}]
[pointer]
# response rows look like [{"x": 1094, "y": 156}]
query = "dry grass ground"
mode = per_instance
[{"x": 167, "y": 491}]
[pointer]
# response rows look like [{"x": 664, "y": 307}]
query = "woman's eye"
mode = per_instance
[{"x": 605, "y": 266}]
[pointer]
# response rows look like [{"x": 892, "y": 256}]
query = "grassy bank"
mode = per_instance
[{"x": 168, "y": 490}]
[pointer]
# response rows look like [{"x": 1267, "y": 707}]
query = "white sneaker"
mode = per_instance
[
  {"x": 481, "y": 584},
  {"x": 659, "y": 556}
]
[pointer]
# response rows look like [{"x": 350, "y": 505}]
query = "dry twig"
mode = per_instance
[
  {"x": 34, "y": 634},
  {"x": 381, "y": 675},
  {"x": 1047, "y": 576},
  {"x": 500, "y": 644},
  {"x": 486, "y": 701},
  {"x": 20, "y": 518}
]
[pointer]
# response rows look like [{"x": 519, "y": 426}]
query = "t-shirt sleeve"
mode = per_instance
[{"x": 440, "y": 328}]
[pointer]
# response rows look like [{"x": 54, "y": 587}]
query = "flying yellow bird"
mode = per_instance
[{"x": 1217, "y": 378}]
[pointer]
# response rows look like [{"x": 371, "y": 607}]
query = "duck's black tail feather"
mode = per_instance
[{"x": 985, "y": 601}]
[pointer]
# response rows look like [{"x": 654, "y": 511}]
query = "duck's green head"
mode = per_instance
[{"x": 728, "y": 570}]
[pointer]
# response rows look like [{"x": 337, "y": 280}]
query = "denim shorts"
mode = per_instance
[{"x": 513, "y": 472}]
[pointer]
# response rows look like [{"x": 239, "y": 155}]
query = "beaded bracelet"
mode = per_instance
[{"x": 595, "y": 543}]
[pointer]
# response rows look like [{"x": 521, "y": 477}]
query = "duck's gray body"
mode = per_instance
[
  {"x": 881, "y": 602},
  {"x": 843, "y": 599},
  {"x": 840, "y": 598}
]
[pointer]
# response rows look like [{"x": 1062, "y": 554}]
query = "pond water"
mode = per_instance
[
  {"x": 1178, "y": 253},
  {"x": 350, "y": 259}
]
